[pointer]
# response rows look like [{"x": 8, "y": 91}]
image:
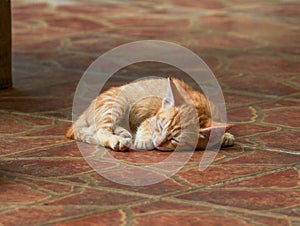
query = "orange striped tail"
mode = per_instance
[{"x": 70, "y": 133}]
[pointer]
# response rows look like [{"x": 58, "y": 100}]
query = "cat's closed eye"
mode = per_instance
[
  {"x": 160, "y": 126},
  {"x": 174, "y": 140}
]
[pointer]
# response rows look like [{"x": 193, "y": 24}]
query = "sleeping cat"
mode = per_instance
[{"x": 158, "y": 112}]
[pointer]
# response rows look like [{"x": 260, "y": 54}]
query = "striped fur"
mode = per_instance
[{"x": 158, "y": 112}]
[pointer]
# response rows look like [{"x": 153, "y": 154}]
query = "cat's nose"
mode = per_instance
[{"x": 158, "y": 143}]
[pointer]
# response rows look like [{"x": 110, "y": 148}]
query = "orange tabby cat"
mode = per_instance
[{"x": 158, "y": 110}]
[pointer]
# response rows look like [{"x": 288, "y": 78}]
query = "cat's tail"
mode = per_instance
[{"x": 70, "y": 133}]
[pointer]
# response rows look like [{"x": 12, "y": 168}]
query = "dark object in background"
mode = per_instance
[{"x": 5, "y": 45}]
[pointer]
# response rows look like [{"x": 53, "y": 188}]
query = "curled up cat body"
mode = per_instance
[{"x": 160, "y": 113}]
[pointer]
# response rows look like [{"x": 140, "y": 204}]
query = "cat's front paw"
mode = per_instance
[
  {"x": 122, "y": 132},
  {"x": 143, "y": 144},
  {"x": 228, "y": 140},
  {"x": 118, "y": 143}
]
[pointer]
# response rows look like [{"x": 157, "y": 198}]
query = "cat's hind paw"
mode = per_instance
[{"x": 227, "y": 140}]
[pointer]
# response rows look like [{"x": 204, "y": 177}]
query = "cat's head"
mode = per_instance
[{"x": 176, "y": 123}]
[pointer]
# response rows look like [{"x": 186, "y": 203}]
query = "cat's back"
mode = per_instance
[
  {"x": 153, "y": 87},
  {"x": 150, "y": 86}
]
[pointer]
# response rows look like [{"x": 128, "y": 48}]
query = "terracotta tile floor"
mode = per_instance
[{"x": 253, "y": 49}]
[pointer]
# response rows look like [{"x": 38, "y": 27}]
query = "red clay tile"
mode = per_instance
[
  {"x": 289, "y": 49},
  {"x": 10, "y": 125},
  {"x": 60, "y": 91},
  {"x": 287, "y": 140},
  {"x": 33, "y": 7},
  {"x": 285, "y": 117},
  {"x": 30, "y": 12},
  {"x": 134, "y": 175},
  {"x": 167, "y": 206},
  {"x": 113, "y": 218},
  {"x": 51, "y": 186},
  {"x": 264, "y": 86},
  {"x": 296, "y": 79},
  {"x": 63, "y": 114},
  {"x": 76, "y": 62},
  {"x": 284, "y": 179},
  {"x": 245, "y": 114},
  {"x": 264, "y": 65},
  {"x": 216, "y": 174},
  {"x": 246, "y": 142},
  {"x": 41, "y": 46},
  {"x": 155, "y": 156},
  {"x": 198, "y": 155},
  {"x": 264, "y": 157},
  {"x": 206, "y": 4},
  {"x": 292, "y": 212},
  {"x": 238, "y": 100},
  {"x": 59, "y": 129},
  {"x": 148, "y": 20},
  {"x": 41, "y": 33},
  {"x": 15, "y": 145},
  {"x": 19, "y": 27},
  {"x": 30, "y": 105},
  {"x": 64, "y": 150},
  {"x": 95, "y": 11},
  {"x": 160, "y": 33},
  {"x": 164, "y": 187},
  {"x": 47, "y": 59},
  {"x": 241, "y": 24},
  {"x": 247, "y": 199},
  {"x": 46, "y": 168},
  {"x": 287, "y": 9},
  {"x": 224, "y": 41},
  {"x": 94, "y": 197},
  {"x": 279, "y": 104},
  {"x": 98, "y": 43},
  {"x": 17, "y": 193},
  {"x": 33, "y": 120},
  {"x": 259, "y": 219},
  {"x": 142, "y": 157},
  {"x": 295, "y": 222},
  {"x": 39, "y": 215},
  {"x": 74, "y": 179},
  {"x": 73, "y": 22},
  {"x": 179, "y": 219},
  {"x": 250, "y": 129}
]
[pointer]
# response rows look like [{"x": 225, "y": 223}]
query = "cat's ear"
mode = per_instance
[
  {"x": 217, "y": 127},
  {"x": 173, "y": 96}
]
